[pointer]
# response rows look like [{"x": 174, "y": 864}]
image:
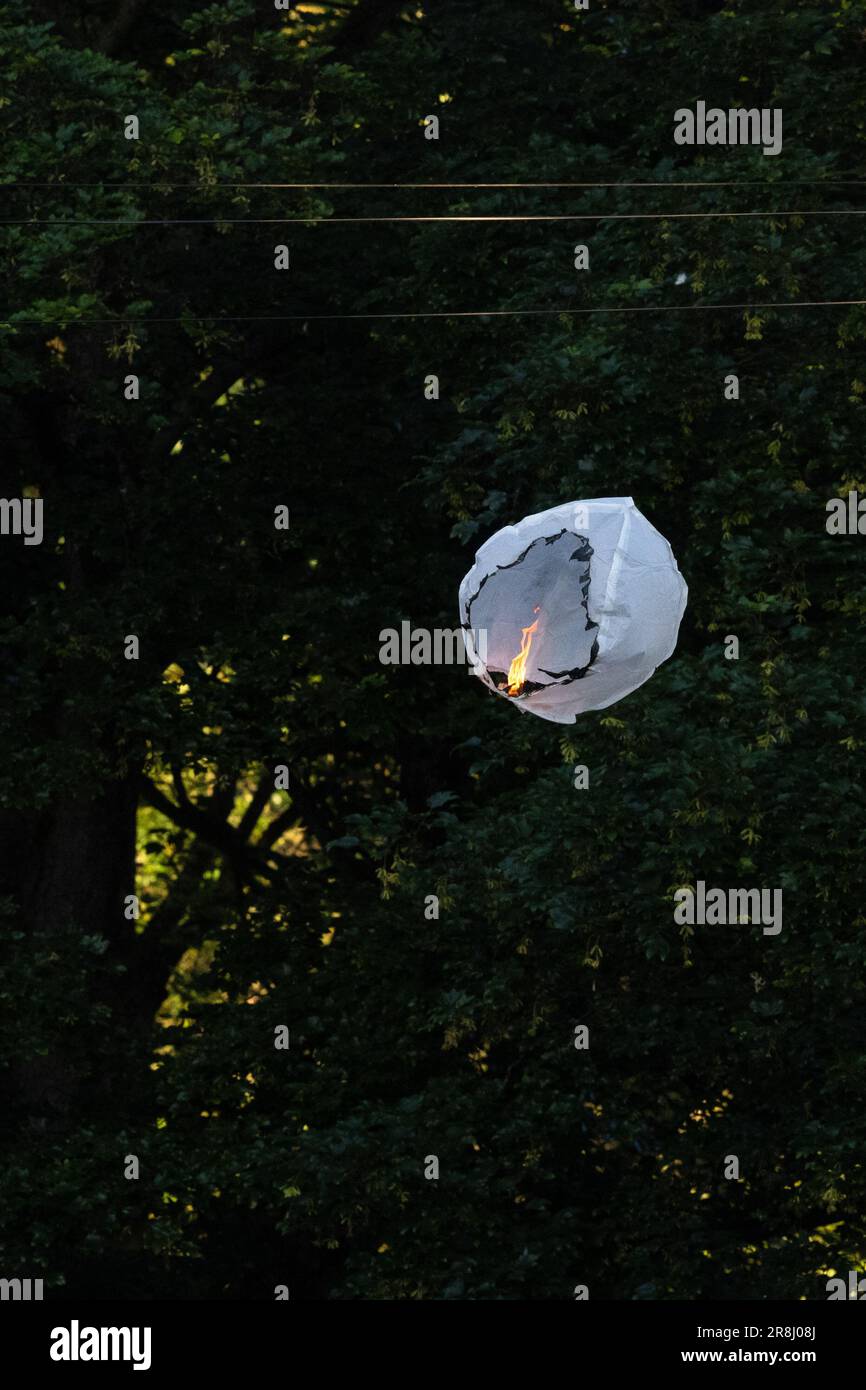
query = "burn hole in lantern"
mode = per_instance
[{"x": 552, "y": 648}]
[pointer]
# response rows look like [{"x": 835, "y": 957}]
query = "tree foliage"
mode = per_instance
[{"x": 259, "y": 647}]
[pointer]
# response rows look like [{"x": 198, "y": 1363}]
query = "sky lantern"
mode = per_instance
[{"x": 572, "y": 609}]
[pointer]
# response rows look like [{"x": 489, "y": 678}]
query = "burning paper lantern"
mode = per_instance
[{"x": 572, "y": 609}]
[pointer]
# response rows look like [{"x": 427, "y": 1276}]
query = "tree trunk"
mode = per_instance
[{"x": 86, "y": 864}]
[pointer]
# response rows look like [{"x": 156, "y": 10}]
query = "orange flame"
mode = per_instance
[{"x": 517, "y": 669}]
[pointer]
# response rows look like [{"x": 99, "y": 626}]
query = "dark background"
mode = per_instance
[{"x": 412, "y": 1037}]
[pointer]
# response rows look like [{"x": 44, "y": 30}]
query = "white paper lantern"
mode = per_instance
[{"x": 572, "y": 609}]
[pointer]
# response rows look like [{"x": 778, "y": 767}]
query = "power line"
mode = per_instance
[
  {"x": 120, "y": 321},
  {"x": 618, "y": 183},
  {"x": 315, "y": 221}
]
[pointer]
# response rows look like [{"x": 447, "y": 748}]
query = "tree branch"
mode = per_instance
[
  {"x": 277, "y": 828},
  {"x": 213, "y": 831},
  {"x": 246, "y": 859},
  {"x": 177, "y": 779},
  {"x": 260, "y": 798}
]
